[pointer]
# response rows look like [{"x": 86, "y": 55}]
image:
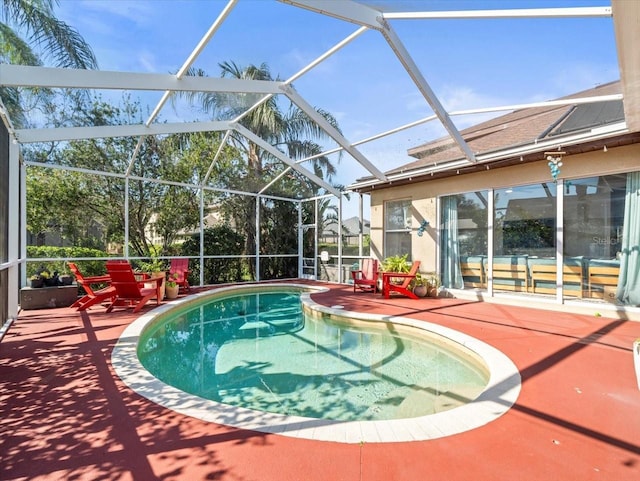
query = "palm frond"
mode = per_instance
[
  {"x": 54, "y": 37},
  {"x": 14, "y": 50}
]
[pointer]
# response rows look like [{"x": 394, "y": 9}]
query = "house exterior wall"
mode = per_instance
[{"x": 424, "y": 194}]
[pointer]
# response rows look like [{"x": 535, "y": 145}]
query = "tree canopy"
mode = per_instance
[{"x": 30, "y": 34}]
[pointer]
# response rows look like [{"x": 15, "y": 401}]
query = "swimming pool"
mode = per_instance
[
  {"x": 385, "y": 414},
  {"x": 261, "y": 351}
]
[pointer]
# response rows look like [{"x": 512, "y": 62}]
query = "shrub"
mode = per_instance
[
  {"x": 88, "y": 268},
  {"x": 219, "y": 240}
]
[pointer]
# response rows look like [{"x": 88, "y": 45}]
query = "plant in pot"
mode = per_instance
[
  {"x": 155, "y": 268},
  {"x": 172, "y": 287},
  {"x": 48, "y": 279},
  {"x": 36, "y": 281},
  {"x": 394, "y": 264},
  {"x": 420, "y": 286},
  {"x": 433, "y": 284},
  {"x": 66, "y": 279}
]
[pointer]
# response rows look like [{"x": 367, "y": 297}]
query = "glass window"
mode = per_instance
[
  {"x": 593, "y": 216},
  {"x": 472, "y": 223},
  {"x": 595, "y": 236},
  {"x": 593, "y": 224},
  {"x": 525, "y": 220},
  {"x": 397, "y": 228},
  {"x": 463, "y": 239},
  {"x": 524, "y": 232}
]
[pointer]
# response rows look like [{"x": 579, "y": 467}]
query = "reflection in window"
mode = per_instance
[
  {"x": 397, "y": 228},
  {"x": 593, "y": 216},
  {"x": 593, "y": 225},
  {"x": 525, "y": 220},
  {"x": 601, "y": 239},
  {"x": 463, "y": 239}
]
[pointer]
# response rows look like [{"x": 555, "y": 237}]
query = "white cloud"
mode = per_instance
[
  {"x": 147, "y": 60},
  {"x": 139, "y": 13}
]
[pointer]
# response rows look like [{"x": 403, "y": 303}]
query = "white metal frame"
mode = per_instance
[{"x": 366, "y": 18}]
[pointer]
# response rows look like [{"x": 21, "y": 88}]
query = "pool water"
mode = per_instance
[{"x": 262, "y": 351}]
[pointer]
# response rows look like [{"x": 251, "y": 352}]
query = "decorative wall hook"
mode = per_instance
[{"x": 423, "y": 226}]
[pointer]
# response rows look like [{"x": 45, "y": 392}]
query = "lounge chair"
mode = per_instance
[
  {"x": 92, "y": 296},
  {"x": 179, "y": 272},
  {"x": 130, "y": 291},
  {"x": 389, "y": 279},
  {"x": 366, "y": 279}
]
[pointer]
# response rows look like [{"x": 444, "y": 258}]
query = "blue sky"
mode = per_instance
[{"x": 468, "y": 63}]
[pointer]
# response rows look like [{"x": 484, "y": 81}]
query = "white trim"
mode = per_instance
[
  {"x": 504, "y": 13},
  {"x": 26, "y": 76}
]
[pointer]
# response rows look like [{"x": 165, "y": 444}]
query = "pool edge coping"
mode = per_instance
[{"x": 496, "y": 399}]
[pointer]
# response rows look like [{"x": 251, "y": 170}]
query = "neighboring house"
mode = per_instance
[
  {"x": 548, "y": 187},
  {"x": 350, "y": 231}
]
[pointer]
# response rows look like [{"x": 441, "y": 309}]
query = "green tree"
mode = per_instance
[
  {"x": 167, "y": 209},
  {"x": 290, "y": 130},
  {"x": 30, "y": 34},
  {"x": 53, "y": 198}
]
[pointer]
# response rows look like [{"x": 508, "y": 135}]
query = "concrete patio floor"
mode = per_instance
[{"x": 65, "y": 415}]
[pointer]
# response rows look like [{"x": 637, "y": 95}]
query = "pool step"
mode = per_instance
[{"x": 277, "y": 320}]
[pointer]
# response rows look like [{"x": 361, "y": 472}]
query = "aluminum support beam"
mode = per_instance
[
  {"x": 429, "y": 95},
  {"x": 257, "y": 241},
  {"x": 364, "y": 15},
  {"x": 562, "y": 12},
  {"x": 23, "y": 76},
  {"x": 181, "y": 73},
  {"x": 201, "y": 249},
  {"x": 300, "y": 242},
  {"x": 215, "y": 157},
  {"x": 26, "y": 136},
  {"x": 279, "y": 155},
  {"x": 14, "y": 280},
  {"x": 332, "y": 131},
  {"x": 340, "y": 277},
  {"x": 344, "y": 10}
]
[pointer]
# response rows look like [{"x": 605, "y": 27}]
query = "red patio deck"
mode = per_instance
[{"x": 65, "y": 414}]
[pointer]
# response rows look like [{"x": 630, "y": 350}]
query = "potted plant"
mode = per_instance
[
  {"x": 393, "y": 264},
  {"x": 66, "y": 279},
  {"x": 396, "y": 264},
  {"x": 172, "y": 287},
  {"x": 47, "y": 278},
  {"x": 420, "y": 286},
  {"x": 155, "y": 268},
  {"x": 36, "y": 281},
  {"x": 433, "y": 283}
]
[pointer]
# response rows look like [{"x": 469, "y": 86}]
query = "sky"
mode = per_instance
[{"x": 467, "y": 63}]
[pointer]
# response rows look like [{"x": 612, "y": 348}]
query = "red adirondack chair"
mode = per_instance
[
  {"x": 129, "y": 291},
  {"x": 179, "y": 272},
  {"x": 366, "y": 279},
  {"x": 92, "y": 296},
  {"x": 388, "y": 285}
]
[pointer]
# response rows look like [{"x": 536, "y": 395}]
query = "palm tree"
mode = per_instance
[
  {"x": 292, "y": 132},
  {"x": 30, "y": 34}
]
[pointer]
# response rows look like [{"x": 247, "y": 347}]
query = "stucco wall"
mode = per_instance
[{"x": 424, "y": 194}]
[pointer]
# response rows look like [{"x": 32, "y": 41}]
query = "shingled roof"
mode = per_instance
[{"x": 526, "y": 127}]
